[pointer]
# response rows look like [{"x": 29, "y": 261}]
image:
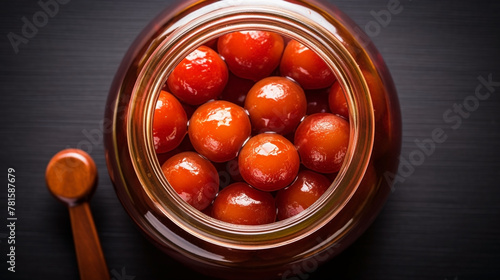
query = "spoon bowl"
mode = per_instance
[{"x": 71, "y": 176}]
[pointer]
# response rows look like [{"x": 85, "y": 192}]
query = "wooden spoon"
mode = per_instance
[{"x": 71, "y": 177}]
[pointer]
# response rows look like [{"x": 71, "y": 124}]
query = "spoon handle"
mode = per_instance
[{"x": 91, "y": 262}]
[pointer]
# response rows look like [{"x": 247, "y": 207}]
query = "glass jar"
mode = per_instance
[{"x": 281, "y": 249}]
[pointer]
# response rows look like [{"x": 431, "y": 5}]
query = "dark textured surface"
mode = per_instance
[{"x": 442, "y": 222}]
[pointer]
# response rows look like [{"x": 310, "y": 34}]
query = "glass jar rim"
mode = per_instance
[{"x": 213, "y": 20}]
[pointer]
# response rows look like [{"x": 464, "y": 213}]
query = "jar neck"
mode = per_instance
[{"x": 299, "y": 21}]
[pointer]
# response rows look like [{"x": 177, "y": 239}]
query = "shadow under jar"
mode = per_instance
[{"x": 282, "y": 248}]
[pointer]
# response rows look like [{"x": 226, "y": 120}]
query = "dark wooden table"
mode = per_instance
[{"x": 442, "y": 222}]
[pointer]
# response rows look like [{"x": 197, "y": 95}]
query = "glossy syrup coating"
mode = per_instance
[
  {"x": 233, "y": 169},
  {"x": 224, "y": 177},
  {"x": 384, "y": 135},
  {"x": 317, "y": 101},
  {"x": 370, "y": 179},
  {"x": 337, "y": 101},
  {"x": 199, "y": 77},
  {"x": 322, "y": 140},
  {"x": 218, "y": 129},
  {"x": 169, "y": 123},
  {"x": 251, "y": 55},
  {"x": 184, "y": 146},
  {"x": 276, "y": 104},
  {"x": 268, "y": 162},
  {"x": 301, "y": 194},
  {"x": 193, "y": 177},
  {"x": 377, "y": 94},
  {"x": 241, "y": 204},
  {"x": 189, "y": 109},
  {"x": 305, "y": 66},
  {"x": 236, "y": 89},
  {"x": 212, "y": 44}
]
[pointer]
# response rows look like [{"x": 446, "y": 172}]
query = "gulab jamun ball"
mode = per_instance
[
  {"x": 269, "y": 162},
  {"x": 267, "y": 127},
  {"x": 193, "y": 177},
  {"x": 252, "y": 54},
  {"x": 218, "y": 129},
  {"x": 322, "y": 140},
  {"x": 337, "y": 101},
  {"x": 199, "y": 77},
  {"x": 169, "y": 123},
  {"x": 276, "y": 104},
  {"x": 241, "y": 204},
  {"x": 301, "y": 194},
  {"x": 305, "y": 67}
]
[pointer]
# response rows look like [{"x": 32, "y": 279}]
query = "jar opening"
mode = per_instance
[{"x": 300, "y": 23}]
